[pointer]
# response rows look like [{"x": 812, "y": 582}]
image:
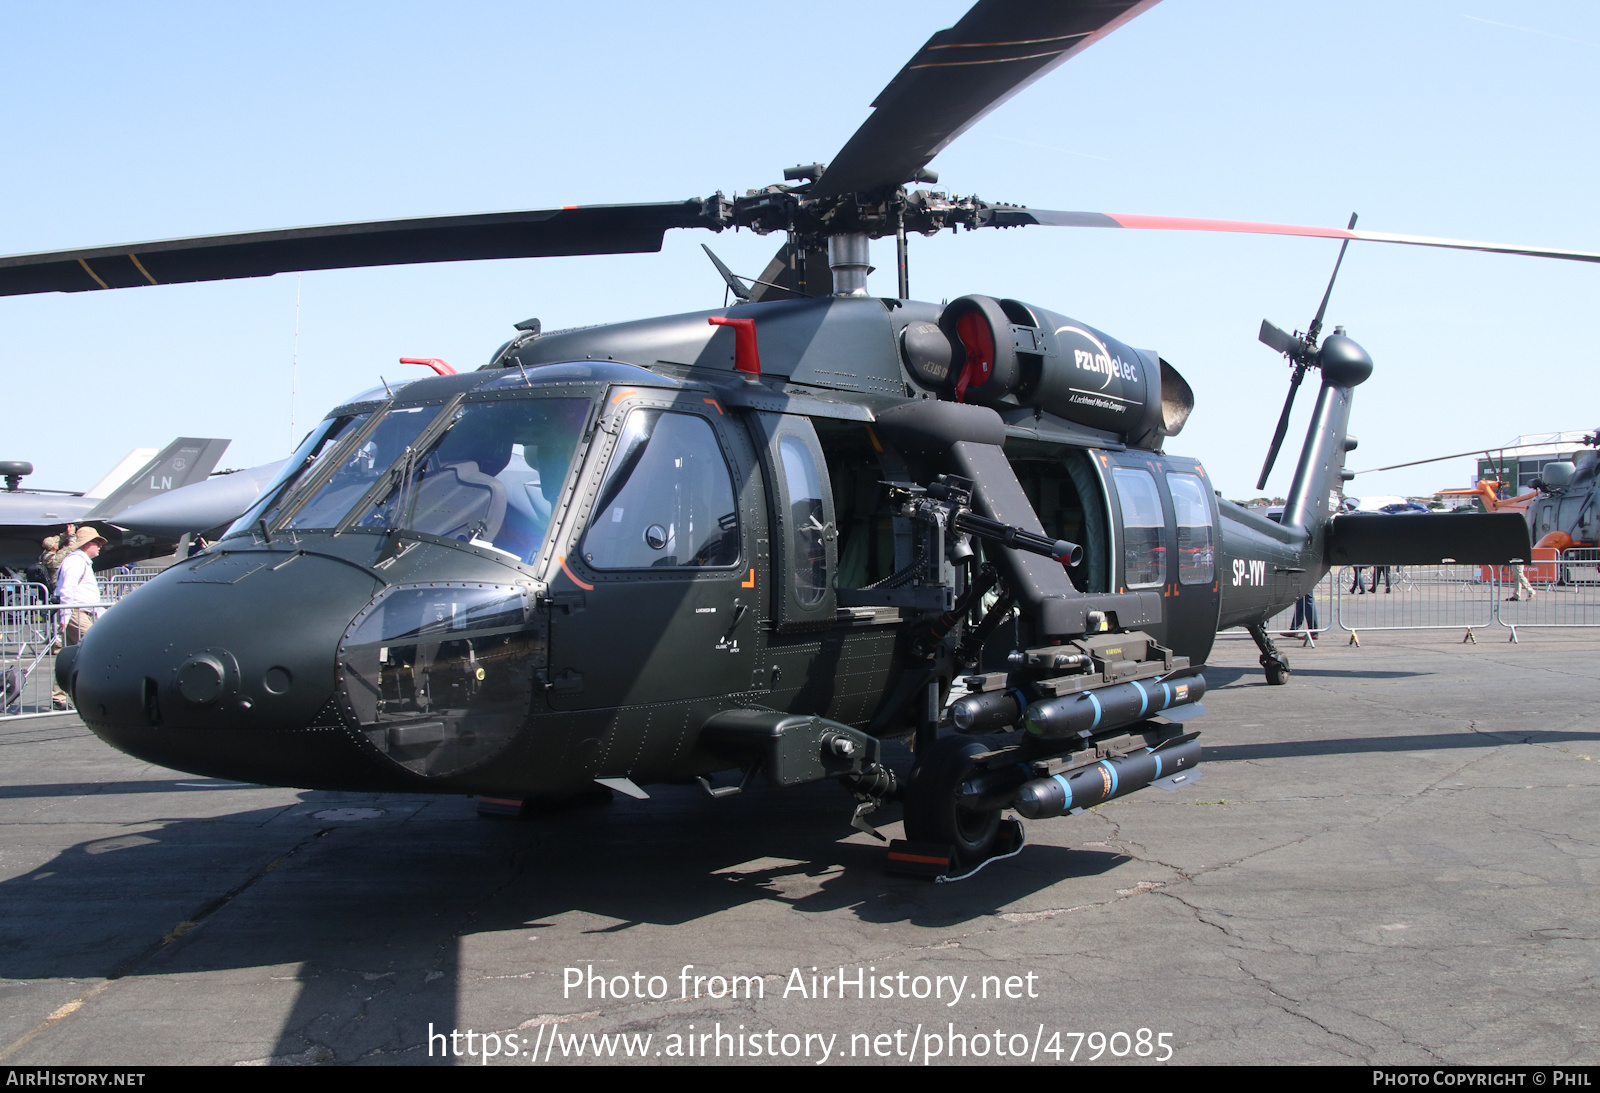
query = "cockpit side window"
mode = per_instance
[{"x": 667, "y": 500}]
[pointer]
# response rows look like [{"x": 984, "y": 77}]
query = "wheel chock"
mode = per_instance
[{"x": 937, "y": 861}]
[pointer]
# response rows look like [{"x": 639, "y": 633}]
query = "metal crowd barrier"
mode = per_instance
[
  {"x": 1567, "y": 596},
  {"x": 114, "y": 586},
  {"x": 1435, "y": 597},
  {"x": 28, "y": 635},
  {"x": 22, "y": 594},
  {"x": 1566, "y": 593},
  {"x": 1308, "y": 630}
]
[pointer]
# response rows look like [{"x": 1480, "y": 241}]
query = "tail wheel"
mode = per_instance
[
  {"x": 1277, "y": 672},
  {"x": 931, "y": 812}
]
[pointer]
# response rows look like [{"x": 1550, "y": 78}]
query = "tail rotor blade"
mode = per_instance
[
  {"x": 1283, "y": 423},
  {"x": 1276, "y": 339},
  {"x": 1315, "y": 330}
]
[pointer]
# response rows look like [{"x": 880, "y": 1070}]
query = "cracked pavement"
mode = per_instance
[{"x": 1390, "y": 860}]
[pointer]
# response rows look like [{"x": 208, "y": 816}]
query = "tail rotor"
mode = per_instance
[{"x": 1301, "y": 349}]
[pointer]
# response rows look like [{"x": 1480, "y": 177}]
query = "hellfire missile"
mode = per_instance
[
  {"x": 1117, "y": 777},
  {"x": 1111, "y": 707}
]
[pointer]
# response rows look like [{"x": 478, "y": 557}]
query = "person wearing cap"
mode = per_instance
[
  {"x": 56, "y": 549},
  {"x": 76, "y": 588}
]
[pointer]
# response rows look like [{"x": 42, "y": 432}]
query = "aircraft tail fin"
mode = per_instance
[
  {"x": 185, "y": 460},
  {"x": 1320, "y": 474}
]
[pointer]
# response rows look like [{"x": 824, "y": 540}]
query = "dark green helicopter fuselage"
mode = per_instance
[{"x": 562, "y": 566}]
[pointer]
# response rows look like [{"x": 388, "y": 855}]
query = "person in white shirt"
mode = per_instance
[{"x": 75, "y": 585}]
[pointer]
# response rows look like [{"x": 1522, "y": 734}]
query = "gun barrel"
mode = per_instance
[{"x": 1007, "y": 535}]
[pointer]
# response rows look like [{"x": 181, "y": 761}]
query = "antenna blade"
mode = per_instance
[
  {"x": 1275, "y": 339},
  {"x": 736, "y": 286},
  {"x": 1283, "y": 426}
]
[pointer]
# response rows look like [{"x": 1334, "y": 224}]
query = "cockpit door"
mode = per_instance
[{"x": 655, "y": 597}]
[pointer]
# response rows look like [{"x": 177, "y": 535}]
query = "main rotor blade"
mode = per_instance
[
  {"x": 960, "y": 74},
  {"x": 540, "y": 233},
  {"x": 1004, "y": 216},
  {"x": 1499, "y": 450},
  {"x": 1283, "y": 425}
]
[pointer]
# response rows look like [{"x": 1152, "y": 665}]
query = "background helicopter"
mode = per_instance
[
  {"x": 927, "y": 435},
  {"x": 1560, "y": 506}
]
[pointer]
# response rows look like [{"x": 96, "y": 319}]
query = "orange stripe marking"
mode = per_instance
[
  {"x": 923, "y": 859},
  {"x": 92, "y": 273},
  {"x": 750, "y": 581},
  {"x": 573, "y": 577}
]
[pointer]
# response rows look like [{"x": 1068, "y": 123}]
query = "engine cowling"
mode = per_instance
[{"x": 1007, "y": 353}]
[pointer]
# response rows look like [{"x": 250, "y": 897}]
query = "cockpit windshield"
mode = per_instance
[
  {"x": 318, "y": 443},
  {"x": 490, "y": 479},
  {"x": 386, "y": 443}
]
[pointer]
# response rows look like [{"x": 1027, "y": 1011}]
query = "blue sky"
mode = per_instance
[{"x": 128, "y": 122}]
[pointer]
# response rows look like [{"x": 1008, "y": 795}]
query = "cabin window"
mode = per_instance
[
  {"x": 807, "y": 526},
  {"x": 1144, "y": 551},
  {"x": 667, "y": 500},
  {"x": 1196, "y": 550}
]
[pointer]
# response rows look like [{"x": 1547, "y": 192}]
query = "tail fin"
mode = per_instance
[
  {"x": 185, "y": 460},
  {"x": 1320, "y": 473}
]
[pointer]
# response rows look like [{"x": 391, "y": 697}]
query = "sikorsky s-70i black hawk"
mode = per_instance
[{"x": 759, "y": 538}]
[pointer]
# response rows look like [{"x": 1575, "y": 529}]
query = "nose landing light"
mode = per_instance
[{"x": 205, "y": 677}]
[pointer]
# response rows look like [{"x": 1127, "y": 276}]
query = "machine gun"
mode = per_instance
[{"x": 942, "y": 524}]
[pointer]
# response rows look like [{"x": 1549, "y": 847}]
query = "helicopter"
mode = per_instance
[
  {"x": 760, "y": 538},
  {"x": 1559, "y": 506}
]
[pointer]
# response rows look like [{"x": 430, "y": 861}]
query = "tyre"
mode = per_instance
[
  {"x": 1277, "y": 673},
  {"x": 931, "y": 812}
]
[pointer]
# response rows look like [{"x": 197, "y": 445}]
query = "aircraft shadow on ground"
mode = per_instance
[
  {"x": 1443, "y": 741},
  {"x": 370, "y": 918},
  {"x": 84, "y": 789},
  {"x": 1222, "y": 677}
]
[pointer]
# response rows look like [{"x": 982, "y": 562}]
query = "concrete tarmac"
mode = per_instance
[{"x": 1391, "y": 860}]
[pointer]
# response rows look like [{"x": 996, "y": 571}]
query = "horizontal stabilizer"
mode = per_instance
[{"x": 1468, "y": 538}]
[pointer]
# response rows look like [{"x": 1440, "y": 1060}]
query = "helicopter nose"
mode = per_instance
[{"x": 225, "y": 666}]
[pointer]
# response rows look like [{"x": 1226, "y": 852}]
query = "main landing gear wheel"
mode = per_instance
[
  {"x": 931, "y": 812},
  {"x": 1277, "y": 671}
]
